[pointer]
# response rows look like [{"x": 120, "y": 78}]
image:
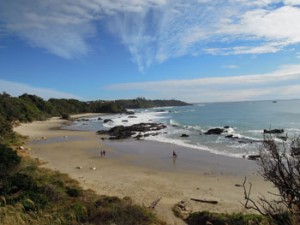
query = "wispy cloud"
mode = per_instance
[
  {"x": 17, "y": 89},
  {"x": 154, "y": 31},
  {"x": 280, "y": 84},
  {"x": 230, "y": 66}
]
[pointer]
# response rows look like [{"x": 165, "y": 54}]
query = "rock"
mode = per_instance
[
  {"x": 216, "y": 131},
  {"x": 274, "y": 131},
  {"x": 284, "y": 138},
  {"x": 124, "y": 121},
  {"x": 245, "y": 141},
  {"x": 227, "y": 127},
  {"x": 93, "y": 168},
  {"x": 229, "y": 136},
  {"x": 130, "y": 112},
  {"x": 21, "y": 148},
  {"x": 79, "y": 167},
  {"x": 99, "y": 118},
  {"x": 184, "y": 135},
  {"x": 182, "y": 209},
  {"x": 123, "y": 132},
  {"x": 107, "y": 120},
  {"x": 132, "y": 116},
  {"x": 253, "y": 157}
]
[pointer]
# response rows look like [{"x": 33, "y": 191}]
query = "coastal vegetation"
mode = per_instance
[
  {"x": 279, "y": 164},
  {"x": 27, "y": 108}
]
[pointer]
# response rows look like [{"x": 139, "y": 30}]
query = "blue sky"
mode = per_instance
[{"x": 196, "y": 50}]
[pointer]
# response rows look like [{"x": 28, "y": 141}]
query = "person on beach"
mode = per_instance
[
  {"x": 174, "y": 155},
  {"x": 103, "y": 153}
]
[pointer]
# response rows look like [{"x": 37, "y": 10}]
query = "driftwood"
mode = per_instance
[
  {"x": 204, "y": 201},
  {"x": 153, "y": 204}
]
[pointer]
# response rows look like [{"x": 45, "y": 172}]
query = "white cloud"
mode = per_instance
[
  {"x": 279, "y": 84},
  {"x": 230, "y": 66},
  {"x": 154, "y": 31},
  {"x": 17, "y": 89}
]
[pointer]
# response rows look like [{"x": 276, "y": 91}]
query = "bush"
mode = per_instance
[
  {"x": 73, "y": 192},
  {"x": 280, "y": 164},
  {"x": 65, "y": 116},
  {"x": 224, "y": 219},
  {"x": 9, "y": 160}
]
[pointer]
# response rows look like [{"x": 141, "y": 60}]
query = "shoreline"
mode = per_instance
[{"x": 143, "y": 170}]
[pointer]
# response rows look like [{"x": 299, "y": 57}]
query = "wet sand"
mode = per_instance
[{"x": 144, "y": 170}]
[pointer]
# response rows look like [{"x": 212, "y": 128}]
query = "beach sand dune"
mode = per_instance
[{"x": 144, "y": 170}]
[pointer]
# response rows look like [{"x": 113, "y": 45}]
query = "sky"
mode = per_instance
[{"x": 195, "y": 50}]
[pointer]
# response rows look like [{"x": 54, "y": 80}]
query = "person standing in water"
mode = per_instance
[{"x": 174, "y": 155}]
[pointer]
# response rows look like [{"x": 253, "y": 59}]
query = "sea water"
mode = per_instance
[{"x": 246, "y": 122}]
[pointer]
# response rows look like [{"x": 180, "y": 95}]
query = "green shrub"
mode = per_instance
[
  {"x": 73, "y": 192},
  {"x": 204, "y": 217},
  {"x": 9, "y": 159}
]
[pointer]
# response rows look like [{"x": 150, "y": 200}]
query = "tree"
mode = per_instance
[{"x": 280, "y": 164}]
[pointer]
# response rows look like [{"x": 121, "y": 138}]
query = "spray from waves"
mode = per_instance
[{"x": 197, "y": 146}]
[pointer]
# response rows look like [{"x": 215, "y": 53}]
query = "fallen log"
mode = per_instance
[
  {"x": 153, "y": 204},
  {"x": 204, "y": 201}
]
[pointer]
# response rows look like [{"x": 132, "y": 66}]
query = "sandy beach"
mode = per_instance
[{"x": 144, "y": 170}]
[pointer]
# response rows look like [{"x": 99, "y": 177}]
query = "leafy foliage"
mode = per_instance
[
  {"x": 144, "y": 103},
  {"x": 9, "y": 160},
  {"x": 224, "y": 219}
]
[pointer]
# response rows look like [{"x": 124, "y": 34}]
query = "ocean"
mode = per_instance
[{"x": 246, "y": 122}]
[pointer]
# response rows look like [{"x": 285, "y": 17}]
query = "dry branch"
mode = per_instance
[{"x": 204, "y": 201}]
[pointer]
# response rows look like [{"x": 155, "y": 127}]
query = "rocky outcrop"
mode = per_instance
[
  {"x": 216, "y": 131},
  {"x": 253, "y": 157},
  {"x": 274, "y": 131},
  {"x": 123, "y": 132},
  {"x": 107, "y": 120},
  {"x": 184, "y": 135}
]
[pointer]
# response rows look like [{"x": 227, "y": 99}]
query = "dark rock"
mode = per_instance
[
  {"x": 124, "y": 121},
  {"x": 231, "y": 136},
  {"x": 122, "y": 132},
  {"x": 184, "y": 135},
  {"x": 227, "y": 127},
  {"x": 161, "y": 110},
  {"x": 253, "y": 157},
  {"x": 216, "y": 131},
  {"x": 99, "y": 118},
  {"x": 132, "y": 116},
  {"x": 138, "y": 137},
  {"x": 130, "y": 113},
  {"x": 107, "y": 120},
  {"x": 284, "y": 138},
  {"x": 274, "y": 131}
]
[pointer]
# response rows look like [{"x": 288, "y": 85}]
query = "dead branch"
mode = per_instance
[
  {"x": 204, "y": 201},
  {"x": 153, "y": 204}
]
